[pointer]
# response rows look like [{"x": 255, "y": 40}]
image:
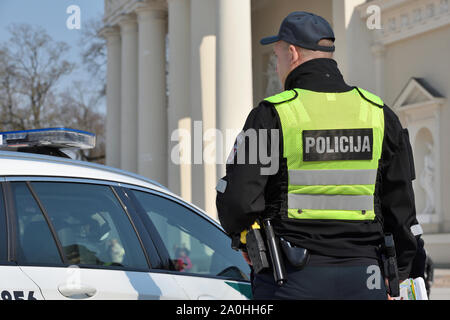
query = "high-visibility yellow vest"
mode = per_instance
[{"x": 332, "y": 143}]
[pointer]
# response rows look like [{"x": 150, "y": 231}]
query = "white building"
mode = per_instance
[{"x": 173, "y": 63}]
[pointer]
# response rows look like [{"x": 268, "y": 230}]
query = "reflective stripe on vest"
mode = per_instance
[
  {"x": 332, "y": 143},
  {"x": 330, "y": 202},
  {"x": 331, "y": 177}
]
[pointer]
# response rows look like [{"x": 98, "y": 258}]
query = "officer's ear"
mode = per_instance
[{"x": 295, "y": 54}]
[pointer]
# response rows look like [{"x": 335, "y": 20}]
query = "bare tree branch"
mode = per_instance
[
  {"x": 94, "y": 54},
  {"x": 31, "y": 65},
  {"x": 35, "y": 64}
]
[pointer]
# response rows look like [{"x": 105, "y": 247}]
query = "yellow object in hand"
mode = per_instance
[{"x": 244, "y": 233}]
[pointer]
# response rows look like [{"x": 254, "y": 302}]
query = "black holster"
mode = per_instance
[
  {"x": 256, "y": 249},
  {"x": 390, "y": 265},
  {"x": 297, "y": 256}
]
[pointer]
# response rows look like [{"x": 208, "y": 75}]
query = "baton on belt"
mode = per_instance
[{"x": 279, "y": 273}]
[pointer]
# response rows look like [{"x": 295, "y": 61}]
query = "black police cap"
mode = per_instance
[{"x": 305, "y": 30}]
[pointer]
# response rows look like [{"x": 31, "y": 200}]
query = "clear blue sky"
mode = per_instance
[{"x": 51, "y": 15}]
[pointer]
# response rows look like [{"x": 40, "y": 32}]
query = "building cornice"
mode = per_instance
[
  {"x": 403, "y": 19},
  {"x": 378, "y": 49},
  {"x": 116, "y": 9},
  {"x": 384, "y": 6},
  {"x": 109, "y": 31}
]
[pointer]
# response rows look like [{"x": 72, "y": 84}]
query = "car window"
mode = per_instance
[
  {"x": 91, "y": 224},
  {"x": 35, "y": 243},
  {"x": 194, "y": 244},
  {"x": 3, "y": 235}
]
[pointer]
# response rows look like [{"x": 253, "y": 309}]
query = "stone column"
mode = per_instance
[
  {"x": 234, "y": 69},
  {"x": 378, "y": 51},
  {"x": 179, "y": 176},
  {"x": 354, "y": 37},
  {"x": 129, "y": 93},
  {"x": 112, "y": 35},
  {"x": 203, "y": 103},
  {"x": 152, "y": 109}
]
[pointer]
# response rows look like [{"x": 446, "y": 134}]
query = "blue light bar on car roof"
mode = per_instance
[{"x": 49, "y": 137}]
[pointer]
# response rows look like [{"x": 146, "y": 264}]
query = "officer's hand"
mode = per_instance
[
  {"x": 387, "y": 286},
  {"x": 246, "y": 258}
]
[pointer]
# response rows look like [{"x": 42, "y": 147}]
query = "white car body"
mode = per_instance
[{"x": 72, "y": 282}]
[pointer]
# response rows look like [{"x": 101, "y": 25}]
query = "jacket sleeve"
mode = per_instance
[
  {"x": 396, "y": 192},
  {"x": 419, "y": 262},
  {"x": 240, "y": 194}
]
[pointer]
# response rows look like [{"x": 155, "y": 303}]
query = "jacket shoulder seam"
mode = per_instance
[
  {"x": 280, "y": 98},
  {"x": 369, "y": 100}
]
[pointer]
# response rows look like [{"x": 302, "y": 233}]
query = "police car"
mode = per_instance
[{"x": 71, "y": 229}]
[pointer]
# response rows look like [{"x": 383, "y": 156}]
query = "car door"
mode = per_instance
[
  {"x": 75, "y": 240},
  {"x": 14, "y": 283},
  {"x": 199, "y": 252}
]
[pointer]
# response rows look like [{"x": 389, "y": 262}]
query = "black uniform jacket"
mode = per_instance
[{"x": 249, "y": 195}]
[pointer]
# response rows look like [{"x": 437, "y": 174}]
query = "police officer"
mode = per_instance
[{"x": 343, "y": 176}]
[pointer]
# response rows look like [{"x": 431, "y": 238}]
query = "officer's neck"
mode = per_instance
[{"x": 320, "y": 74}]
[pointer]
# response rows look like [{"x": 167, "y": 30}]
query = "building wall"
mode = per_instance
[
  {"x": 425, "y": 56},
  {"x": 354, "y": 53},
  {"x": 383, "y": 70}
]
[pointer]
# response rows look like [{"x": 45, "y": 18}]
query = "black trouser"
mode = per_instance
[{"x": 336, "y": 282}]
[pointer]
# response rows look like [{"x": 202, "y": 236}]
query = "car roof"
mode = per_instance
[
  {"x": 14, "y": 163},
  {"x": 24, "y": 164}
]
